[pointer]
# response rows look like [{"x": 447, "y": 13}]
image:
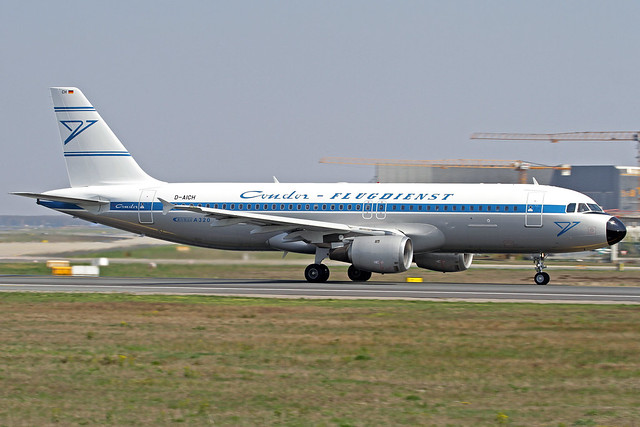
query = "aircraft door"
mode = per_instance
[
  {"x": 533, "y": 215},
  {"x": 145, "y": 206},
  {"x": 369, "y": 209}
]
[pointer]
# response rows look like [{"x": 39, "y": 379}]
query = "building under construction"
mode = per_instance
[{"x": 613, "y": 187}]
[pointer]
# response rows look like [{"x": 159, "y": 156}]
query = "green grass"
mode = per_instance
[{"x": 120, "y": 359}]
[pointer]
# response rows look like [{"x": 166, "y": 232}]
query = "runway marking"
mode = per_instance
[{"x": 382, "y": 291}]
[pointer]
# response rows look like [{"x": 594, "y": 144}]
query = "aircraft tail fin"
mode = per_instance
[{"x": 93, "y": 153}]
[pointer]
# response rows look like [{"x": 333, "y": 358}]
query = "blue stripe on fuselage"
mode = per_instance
[{"x": 463, "y": 208}]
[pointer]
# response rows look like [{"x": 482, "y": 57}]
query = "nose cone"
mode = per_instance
[{"x": 615, "y": 231}]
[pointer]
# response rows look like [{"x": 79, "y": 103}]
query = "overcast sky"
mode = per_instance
[{"x": 241, "y": 91}]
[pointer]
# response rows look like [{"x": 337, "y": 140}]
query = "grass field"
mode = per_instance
[{"x": 84, "y": 359}]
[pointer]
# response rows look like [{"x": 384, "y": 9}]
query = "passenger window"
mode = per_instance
[
  {"x": 571, "y": 207},
  {"x": 582, "y": 207}
]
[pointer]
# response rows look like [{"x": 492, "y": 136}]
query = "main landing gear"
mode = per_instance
[
  {"x": 541, "y": 278},
  {"x": 318, "y": 272},
  {"x": 358, "y": 275}
]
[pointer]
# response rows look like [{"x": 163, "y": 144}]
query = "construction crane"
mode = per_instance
[
  {"x": 616, "y": 136},
  {"x": 521, "y": 166},
  {"x": 566, "y": 136}
]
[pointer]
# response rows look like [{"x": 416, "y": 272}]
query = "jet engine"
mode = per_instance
[
  {"x": 379, "y": 254},
  {"x": 446, "y": 263}
]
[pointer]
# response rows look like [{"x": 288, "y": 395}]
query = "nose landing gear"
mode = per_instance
[{"x": 541, "y": 278}]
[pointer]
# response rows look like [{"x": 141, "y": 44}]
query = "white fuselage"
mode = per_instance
[{"x": 489, "y": 218}]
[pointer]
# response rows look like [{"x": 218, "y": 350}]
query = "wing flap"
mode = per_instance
[{"x": 266, "y": 221}]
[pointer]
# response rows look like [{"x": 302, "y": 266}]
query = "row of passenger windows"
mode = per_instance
[
  {"x": 367, "y": 207},
  {"x": 583, "y": 207}
]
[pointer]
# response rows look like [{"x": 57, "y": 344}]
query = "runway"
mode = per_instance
[{"x": 329, "y": 290}]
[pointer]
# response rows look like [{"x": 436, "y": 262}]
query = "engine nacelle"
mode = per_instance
[
  {"x": 446, "y": 263},
  {"x": 379, "y": 254}
]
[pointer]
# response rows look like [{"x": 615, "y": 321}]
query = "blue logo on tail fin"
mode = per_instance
[{"x": 76, "y": 127}]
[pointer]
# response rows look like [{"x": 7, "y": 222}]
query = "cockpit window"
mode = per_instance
[
  {"x": 595, "y": 207},
  {"x": 571, "y": 207},
  {"x": 582, "y": 207}
]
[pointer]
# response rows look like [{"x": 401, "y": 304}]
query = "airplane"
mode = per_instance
[{"x": 375, "y": 227}]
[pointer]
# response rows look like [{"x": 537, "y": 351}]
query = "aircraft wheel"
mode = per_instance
[
  {"x": 325, "y": 272},
  {"x": 358, "y": 275},
  {"x": 316, "y": 273},
  {"x": 541, "y": 278}
]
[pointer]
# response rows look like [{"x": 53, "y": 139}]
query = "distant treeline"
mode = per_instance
[{"x": 39, "y": 221}]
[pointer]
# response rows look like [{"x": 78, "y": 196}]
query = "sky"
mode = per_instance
[{"x": 208, "y": 91}]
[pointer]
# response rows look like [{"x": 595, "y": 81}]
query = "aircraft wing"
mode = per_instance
[
  {"x": 270, "y": 223},
  {"x": 63, "y": 199}
]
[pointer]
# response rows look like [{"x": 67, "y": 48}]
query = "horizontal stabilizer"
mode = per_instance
[{"x": 63, "y": 199}]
